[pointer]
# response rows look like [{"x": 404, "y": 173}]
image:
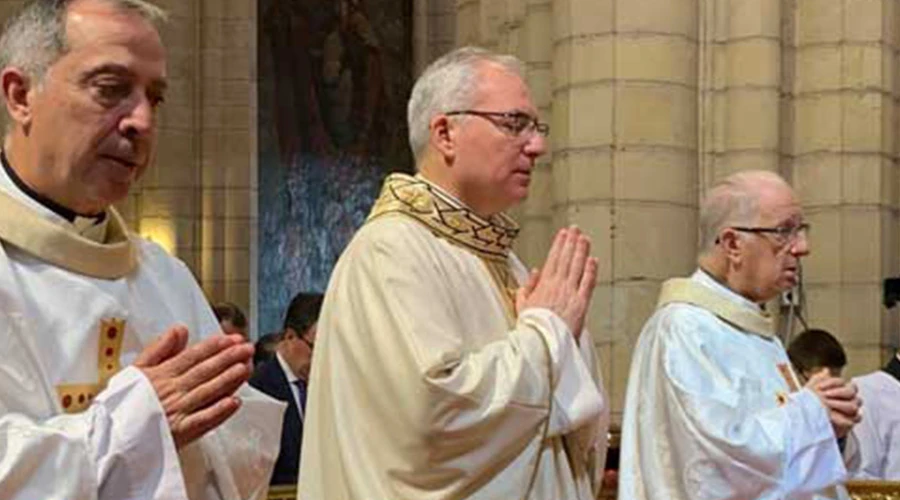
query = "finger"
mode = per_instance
[
  {"x": 551, "y": 265},
  {"x": 828, "y": 382},
  {"x": 579, "y": 261},
  {"x": 201, "y": 351},
  {"x": 225, "y": 384},
  {"x": 213, "y": 366},
  {"x": 199, "y": 423},
  {"x": 844, "y": 392},
  {"x": 567, "y": 254},
  {"x": 170, "y": 343},
  {"x": 815, "y": 379},
  {"x": 588, "y": 281},
  {"x": 848, "y": 408}
]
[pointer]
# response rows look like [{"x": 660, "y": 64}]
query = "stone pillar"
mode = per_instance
[
  {"x": 228, "y": 148},
  {"x": 165, "y": 206},
  {"x": 468, "y": 23},
  {"x": 434, "y": 31},
  {"x": 740, "y": 77},
  {"x": 845, "y": 168},
  {"x": 624, "y": 161},
  {"x": 533, "y": 35}
]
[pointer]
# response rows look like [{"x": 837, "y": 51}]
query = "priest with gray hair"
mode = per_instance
[
  {"x": 713, "y": 409},
  {"x": 115, "y": 384},
  {"x": 442, "y": 368}
]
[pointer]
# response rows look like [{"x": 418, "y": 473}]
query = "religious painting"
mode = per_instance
[{"x": 334, "y": 78}]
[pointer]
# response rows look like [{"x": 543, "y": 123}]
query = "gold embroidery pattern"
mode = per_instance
[
  {"x": 507, "y": 285},
  {"x": 426, "y": 203},
  {"x": 75, "y": 398},
  {"x": 491, "y": 240}
]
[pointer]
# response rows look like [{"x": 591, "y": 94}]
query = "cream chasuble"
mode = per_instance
[
  {"x": 425, "y": 385},
  {"x": 78, "y": 302},
  {"x": 713, "y": 409}
]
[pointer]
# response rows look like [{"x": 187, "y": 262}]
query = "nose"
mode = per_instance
[
  {"x": 800, "y": 246},
  {"x": 536, "y": 145},
  {"x": 139, "y": 120}
]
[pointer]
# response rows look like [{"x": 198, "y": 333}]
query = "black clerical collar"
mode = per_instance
[
  {"x": 54, "y": 207},
  {"x": 893, "y": 368}
]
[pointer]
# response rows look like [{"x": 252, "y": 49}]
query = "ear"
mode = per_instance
[
  {"x": 442, "y": 131},
  {"x": 732, "y": 245},
  {"x": 17, "y": 94}
]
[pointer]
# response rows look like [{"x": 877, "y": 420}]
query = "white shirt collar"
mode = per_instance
[{"x": 286, "y": 368}]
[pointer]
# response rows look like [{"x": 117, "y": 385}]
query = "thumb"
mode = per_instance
[{"x": 170, "y": 343}]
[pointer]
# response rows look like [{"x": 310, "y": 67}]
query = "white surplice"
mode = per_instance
[
  {"x": 425, "y": 385},
  {"x": 64, "y": 335},
  {"x": 874, "y": 447},
  {"x": 712, "y": 409}
]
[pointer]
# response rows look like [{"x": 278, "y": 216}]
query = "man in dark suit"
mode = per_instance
[{"x": 285, "y": 378}]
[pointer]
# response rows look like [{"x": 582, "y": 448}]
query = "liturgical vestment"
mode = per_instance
[
  {"x": 77, "y": 305},
  {"x": 713, "y": 409},
  {"x": 425, "y": 382},
  {"x": 874, "y": 448}
]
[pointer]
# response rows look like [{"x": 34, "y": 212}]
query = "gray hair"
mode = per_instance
[
  {"x": 732, "y": 201},
  {"x": 35, "y": 37},
  {"x": 449, "y": 84}
]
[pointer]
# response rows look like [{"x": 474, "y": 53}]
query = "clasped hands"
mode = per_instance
[
  {"x": 840, "y": 399},
  {"x": 565, "y": 284},
  {"x": 196, "y": 385}
]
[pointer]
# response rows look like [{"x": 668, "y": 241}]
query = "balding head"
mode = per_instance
[
  {"x": 753, "y": 235},
  {"x": 734, "y": 201}
]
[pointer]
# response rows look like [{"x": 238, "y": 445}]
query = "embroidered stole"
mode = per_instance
[{"x": 489, "y": 239}]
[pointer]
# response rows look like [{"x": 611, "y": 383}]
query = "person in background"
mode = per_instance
[
  {"x": 815, "y": 350},
  {"x": 873, "y": 450},
  {"x": 265, "y": 347},
  {"x": 231, "y": 318},
  {"x": 286, "y": 378}
]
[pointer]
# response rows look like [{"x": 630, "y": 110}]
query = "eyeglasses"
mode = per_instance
[
  {"x": 782, "y": 235},
  {"x": 515, "y": 123}
]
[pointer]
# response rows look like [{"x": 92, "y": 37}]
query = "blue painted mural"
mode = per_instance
[{"x": 334, "y": 77}]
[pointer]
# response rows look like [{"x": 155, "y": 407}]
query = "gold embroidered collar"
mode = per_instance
[
  {"x": 111, "y": 258},
  {"x": 689, "y": 291},
  {"x": 445, "y": 215}
]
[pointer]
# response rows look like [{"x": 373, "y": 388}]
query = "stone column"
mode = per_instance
[
  {"x": 625, "y": 149},
  {"x": 845, "y": 168},
  {"x": 165, "y": 206},
  {"x": 740, "y": 76},
  {"x": 228, "y": 148},
  {"x": 532, "y": 36},
  {"x": 434, "y": 31}
]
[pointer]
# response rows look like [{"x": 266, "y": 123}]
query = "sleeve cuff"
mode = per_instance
[
  {"x": 814, "y": 460},
  {"x": 576, "y": 399},
  {"x": 136, "y": 456}
]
